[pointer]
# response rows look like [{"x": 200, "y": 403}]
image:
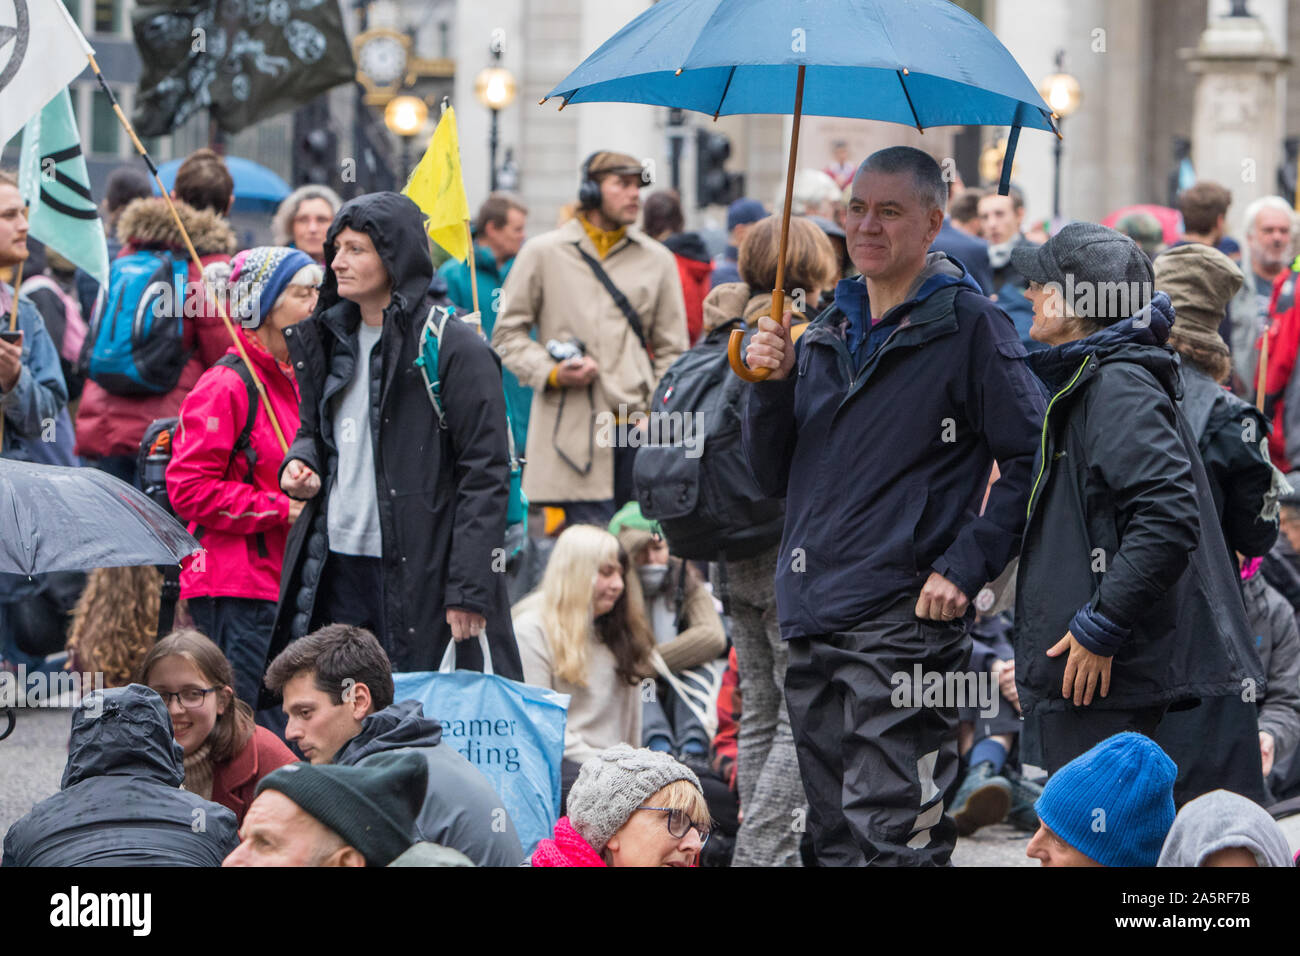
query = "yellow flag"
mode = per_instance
[{"x": 438, "y": 188}]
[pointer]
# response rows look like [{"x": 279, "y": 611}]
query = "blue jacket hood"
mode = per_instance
[{"x": 1140, "y": 338}]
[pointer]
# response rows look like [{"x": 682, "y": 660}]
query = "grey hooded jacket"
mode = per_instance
[
  {"x": 461, "y": 807},
  {"x": 1277, "y": 640},
  {"x": 120, "y": 802},
  {"x": 1220, "y": 820}
]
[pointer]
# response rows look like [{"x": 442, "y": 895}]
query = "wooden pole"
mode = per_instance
[
  {"x": 473, "y": 273},
  {"x": 778, "y": 294},
  {"x": 13, "y": 309},
  {"x": 1261, "y": 377},
  {"x": 194, "y": 256},
  {"x": 13, "y": 327}
]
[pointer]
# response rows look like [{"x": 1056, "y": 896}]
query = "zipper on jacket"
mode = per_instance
[{"x": 1029, "y": 507}]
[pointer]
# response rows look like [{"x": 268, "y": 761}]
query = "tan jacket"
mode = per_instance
[{"x": 550, "y": 288}]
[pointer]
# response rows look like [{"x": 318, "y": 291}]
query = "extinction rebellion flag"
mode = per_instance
[{"x": 243, "y": 60}]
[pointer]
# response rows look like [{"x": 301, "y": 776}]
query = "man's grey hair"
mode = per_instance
[
  {"x": 930, "y": 187},
  {"x": 1276, "y": 203},
  {"x": 282, "y": 221}
]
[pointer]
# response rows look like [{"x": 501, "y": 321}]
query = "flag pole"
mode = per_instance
[
  {"x": 13, "y": 309},
  {"x": 13, "y": 324},
  {"x": 473, "y": 274},
  {"x": 194, "y": 255}
]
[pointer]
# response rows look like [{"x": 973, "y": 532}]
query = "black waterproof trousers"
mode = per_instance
[{"x": 876, "y": 767}]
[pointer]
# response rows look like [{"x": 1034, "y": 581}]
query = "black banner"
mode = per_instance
[{"x": 243, "y": 60}]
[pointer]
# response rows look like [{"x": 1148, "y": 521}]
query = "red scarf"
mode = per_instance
[{"x": 566, "y": 849}]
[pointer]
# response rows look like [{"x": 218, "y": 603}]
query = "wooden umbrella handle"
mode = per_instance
[
  {"x": 737, "y": 338},
  {"x": 738, "y": 364}
]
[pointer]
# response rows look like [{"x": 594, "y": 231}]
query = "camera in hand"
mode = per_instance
[{"x": 564, "y": 350}]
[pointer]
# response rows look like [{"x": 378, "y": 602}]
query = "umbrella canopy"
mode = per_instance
[
  {"x": 916, "y": 62},
  {"x": 67, "y": 519},
  {"x": 254, "y": 183},
  {"x": 1171, "y": 220}
]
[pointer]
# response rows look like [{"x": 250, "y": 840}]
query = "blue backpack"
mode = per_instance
[{"x": 135, "y": 345}]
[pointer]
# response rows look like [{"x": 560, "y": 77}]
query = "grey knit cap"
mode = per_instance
[{"x": 614, "y": 783}]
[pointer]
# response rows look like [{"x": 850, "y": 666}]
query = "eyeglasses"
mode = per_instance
[
  {"x": 679, "y": 823},
  {"x": 190, "y": 697}
]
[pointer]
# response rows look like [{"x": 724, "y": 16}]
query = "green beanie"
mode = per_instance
[{"x": 629, "y": 518}]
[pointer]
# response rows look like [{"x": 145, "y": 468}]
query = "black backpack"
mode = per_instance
[
  {"x": 156, "y": 447},
  {"x": 694, "y": 480}
]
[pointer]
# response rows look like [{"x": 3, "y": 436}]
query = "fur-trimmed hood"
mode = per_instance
[{"x": 147, "y": 222}]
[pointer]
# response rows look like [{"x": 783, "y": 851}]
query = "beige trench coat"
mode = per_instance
[{"x": 552, "y": 289}]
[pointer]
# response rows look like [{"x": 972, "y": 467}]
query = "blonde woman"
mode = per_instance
[{"x": 578, "y": 634}]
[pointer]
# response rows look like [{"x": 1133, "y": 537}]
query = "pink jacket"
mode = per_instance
[{"x": 244, "y": 526}]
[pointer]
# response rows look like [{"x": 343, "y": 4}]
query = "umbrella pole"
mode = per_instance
[
  {"x": 13, "y": 327},
  {"x": 194, "y": 256},
  {"x": 778, "y": 294}
]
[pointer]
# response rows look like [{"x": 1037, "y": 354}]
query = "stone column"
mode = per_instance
[{"x": 1237, "y": 123}]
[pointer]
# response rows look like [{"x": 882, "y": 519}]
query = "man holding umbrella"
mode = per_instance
[{"x": 882, "y": 425}]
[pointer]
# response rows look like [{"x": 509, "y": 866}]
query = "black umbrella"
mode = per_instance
[{"x": 69, "y": 519}]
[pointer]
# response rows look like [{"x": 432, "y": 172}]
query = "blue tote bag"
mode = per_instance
[{"x": 512, "y": 732}]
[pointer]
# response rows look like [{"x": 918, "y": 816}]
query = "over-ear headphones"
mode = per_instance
[{"x": 589, "y": 189}]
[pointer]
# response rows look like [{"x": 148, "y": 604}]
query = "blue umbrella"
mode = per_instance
[
  {"x": 916, "y": 62},
  {"x": 254, "y": 183}
]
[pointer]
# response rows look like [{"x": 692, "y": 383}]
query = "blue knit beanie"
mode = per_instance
[
  {"x": 258, "y": 276},
  {"x": 1115, "y": 803}
]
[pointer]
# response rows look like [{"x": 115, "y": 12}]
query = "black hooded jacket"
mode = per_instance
[
  {"x": 119, "y": 803},
  {"x": 1121, "y": 518},
  {"x": 461, "y": 807},
  {"x": 442, "y": 492}
]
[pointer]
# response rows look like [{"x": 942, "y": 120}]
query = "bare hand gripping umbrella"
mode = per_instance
[{"x": 914, "y": 62}]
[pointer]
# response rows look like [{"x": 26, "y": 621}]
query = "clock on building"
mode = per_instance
[{"x": 383, "y": 61}]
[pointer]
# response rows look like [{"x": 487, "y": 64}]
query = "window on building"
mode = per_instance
[
  {"x": 108, "y": 16},
  {"x": 105, "y": 130}
]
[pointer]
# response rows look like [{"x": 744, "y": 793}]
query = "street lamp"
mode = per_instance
[
  {"x": 1062, "y": 93},
  {"x": 405, "y": 116},
  {"x": 495, "y": 88}
]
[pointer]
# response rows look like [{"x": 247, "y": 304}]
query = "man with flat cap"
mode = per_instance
[{"x": 591, "y": 316}]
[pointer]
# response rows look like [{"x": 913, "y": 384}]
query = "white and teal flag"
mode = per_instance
[
  {"x": 52, "y": 179},
  {"x": 41, "y": 52}
]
